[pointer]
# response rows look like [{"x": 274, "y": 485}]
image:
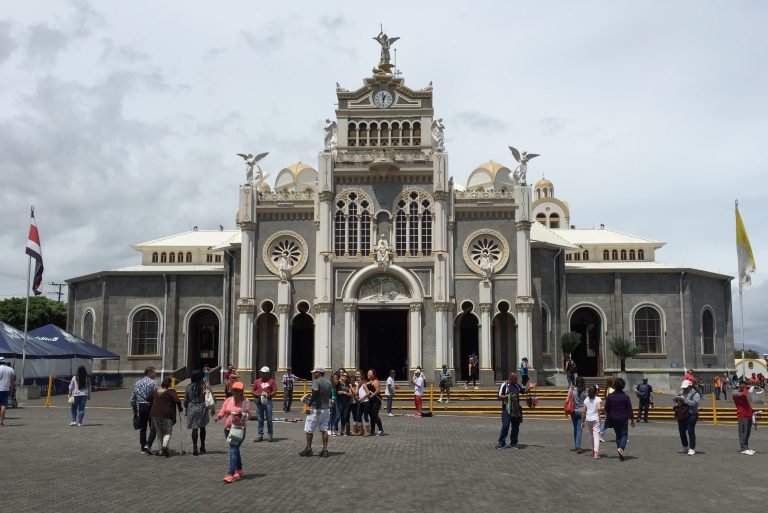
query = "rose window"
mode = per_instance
[
  {"x": 287, "y": 244},
  {"x": 288, "y": 248},
  {"x": 486, "y": 246}
]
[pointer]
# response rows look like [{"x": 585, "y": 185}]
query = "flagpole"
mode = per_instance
[
  {"x": 26, "y": 321},
  {"x": 743, "y": 347}
]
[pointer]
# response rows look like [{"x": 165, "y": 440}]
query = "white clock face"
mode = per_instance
[{"x": 382, "y": 99}]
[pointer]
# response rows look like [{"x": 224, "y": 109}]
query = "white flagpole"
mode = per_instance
[
  {"x": 743, "y": 348},
  {"x": 26, "y": 321}
]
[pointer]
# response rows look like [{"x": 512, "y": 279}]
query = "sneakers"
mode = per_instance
[
  {"x": 501, "y": 446},
  {"x": 477, "y": 388},
  {"x": 439, "y": 400},
  {"x": 73, "y": 423},
  {"x": 306, "y": 452},
  {"x": 579, "y": 451},
  {"x": 146, "y": 450},
  {"x": 195, "y": 451},
  {"x": 621, "y": 453},
  {"x": 380, "y": 433},
  {"x": 238, "y": 475},
  {"x": 602, "y": 440},
  {"x": 596, "y": 455},
  {"x": 202, "y": 449},
  {"x": 691, "y": 452},
  {"x": 79, "y": 424},
  {"x": 417, "y": 414},
  {"x": 324, "y": 453},
  {"x": 270, "y": 439},
  {"x": 259, "y": 439},
  {"x": 390, "y": 414},
  {"x": 684, "y": 450},
  {"x": 748, "y": 452},
  {"x": 166, "y": 452},
  {"x": 229, "y": 478}
]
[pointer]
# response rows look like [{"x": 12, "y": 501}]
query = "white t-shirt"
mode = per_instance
[
  {"x": 418, "y": 386},
  {"x": 593, "y": 408},
  {"x": 7, "y": 377},
  {"x": 390, "y": 383}
]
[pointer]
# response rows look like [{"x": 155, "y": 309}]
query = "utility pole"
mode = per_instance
[{"x": 59, "y": 285}]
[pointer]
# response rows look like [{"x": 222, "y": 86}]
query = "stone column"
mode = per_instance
[
  {"x": 485, "y": 293},
  {"x": 350, "y": 336},
  {"x": 324, "y": 294},
  {"x": 283, "y": 337},
  {"x": 524, "y": 301},
  {"x": 442, "y": 334},
  {"x": 246, "y": 302},
  {"x": 442, "y": 276},
  {"x": 414, "y": 328},
  {"x": 323, "y": 335}
]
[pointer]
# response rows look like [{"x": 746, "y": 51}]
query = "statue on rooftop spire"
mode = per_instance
[
  {"x": 385, "y": 66},
  {"x": 522, "y": 169}
]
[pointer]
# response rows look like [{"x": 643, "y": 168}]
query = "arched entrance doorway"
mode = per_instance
[
  {"x": 202, "y": 340},
  {"x": 504, "y": 329},
  {"x": 586, "y": 321},
  {"x": 302, "y": 342},
  {"x": 467, "y": 334},
  {"x": 266, "y": 338}
]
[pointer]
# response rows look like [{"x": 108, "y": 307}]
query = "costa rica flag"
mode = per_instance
[{"x": 35, "y": 251}]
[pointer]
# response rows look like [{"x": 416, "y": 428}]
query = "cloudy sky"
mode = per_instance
[{"x": 120, "y": 120}]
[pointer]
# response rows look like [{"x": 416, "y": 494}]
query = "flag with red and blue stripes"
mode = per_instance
[{"x": 35, "y": 251}]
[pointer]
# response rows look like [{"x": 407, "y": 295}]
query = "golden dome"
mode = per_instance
[
  {"x": 298, "y": 176},
  {"x": 486, "y": 175},
  {"x": 543, "y": 184}
]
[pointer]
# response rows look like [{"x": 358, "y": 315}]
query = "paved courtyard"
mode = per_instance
[{"x": 445, "y": 463}]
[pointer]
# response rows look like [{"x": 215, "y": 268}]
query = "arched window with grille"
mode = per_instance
[
  {"x": 87, "y": 332},
  {"x": 172, "y": 258},
  {"x": 154, "y": 257},
  {"x": 145, "y": 331},
  {"x": 623, "y": 254},
  {"x": 163, "y": 258},
  {"x": 189, "y": 257},
  {"x": 606, "y": 254},
  {"x": 707, "y": 332},
  {"x": 352, "y": 224},
  {"x": 648, "y": 330},
  {"x": 585, "y": 255},
  {"x": 614, "y": 255},
  {"x": 413, "y": 224},
  {"x": 640, "y": 254},
  {"x": 632, "y": 254},
  {"x": 180, "y": 257}
]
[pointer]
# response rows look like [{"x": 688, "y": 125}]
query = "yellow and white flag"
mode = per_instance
[{"x": 744, "y": 252}]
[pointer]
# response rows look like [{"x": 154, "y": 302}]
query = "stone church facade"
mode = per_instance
[{"x": 377, "y": 259}]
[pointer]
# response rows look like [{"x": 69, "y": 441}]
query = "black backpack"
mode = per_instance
[{"x": 642, "y": 391}]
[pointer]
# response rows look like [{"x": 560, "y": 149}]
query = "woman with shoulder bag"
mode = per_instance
[
  {"x": 687, "y": 414},
  {"x": 197, "y": 409},
  {"x": 79, "y": 393},
  {"x": 165, "y": 402},
  {"x": 235, "y": 410}
]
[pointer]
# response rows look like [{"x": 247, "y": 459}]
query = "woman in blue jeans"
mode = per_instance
[
  {"x": 236, "y": 411},
  {"x": 80, "y": 392},
  {"x": 687, "y": 426},
  {"x": 579, "y": 394},
  {"x": 619, "y": 412}
]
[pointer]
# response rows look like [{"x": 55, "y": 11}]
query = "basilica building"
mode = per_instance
[{"x": 374, "y": 257}]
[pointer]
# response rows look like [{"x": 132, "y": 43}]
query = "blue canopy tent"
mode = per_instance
[{"x": 42, "y": 359}]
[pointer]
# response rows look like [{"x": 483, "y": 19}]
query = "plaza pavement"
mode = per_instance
[{"x": 441, "y": 464}]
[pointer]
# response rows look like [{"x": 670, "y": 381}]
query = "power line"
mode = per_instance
[{"x": 59, "y": 293}]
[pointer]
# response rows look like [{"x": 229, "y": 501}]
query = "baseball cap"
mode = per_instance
[
  {"x": 686, "y": 383},
  {"x": 264, "y": 369},
  {"x": 237, "y": 386},
  {"x": 319, "y": 369}
]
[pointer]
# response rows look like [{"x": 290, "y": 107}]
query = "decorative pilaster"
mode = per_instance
[
  {"x": 246, "y": 302},
  {"x": 524, "y": 300},
  {"x": 324, "y": 295},
  {"x": 323, "y": 325},
  {"x": 284, "y": 326},
  {"x": 350, "y": 336},
  {"x": 442, "y": 334},
  {"x": 414, "y": 351},
  {"x": 486, "y": 351}
]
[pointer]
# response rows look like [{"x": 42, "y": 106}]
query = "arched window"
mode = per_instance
[
  {"x": 373, "y": 138},
  {"x": 585, "y": 255},
  {"x": 568, "y": 256},
  {"x": 362, "y": 134},
  {"x": 351, "y": 134},
  {"x": 396, "y": 134},
  {"x": 208, "y": 258},
  {"x": 545, "y": 329},
  {"x": 189, "y": 257},
  {"x": 554, "y": 219},
  {"x": 614, "y": 255},
  {"x": 707, "y": 332},
  {"x": 180, "y": 257},
  {"x": 87, "y": 332},
  {"x": 632, "y": 254},
  {"x": 648, "y": 330},
  {"x": 416, "y": 133},
  {"x": 352, "y": 224},
  {"x": 413, "y": 224},
  {"x": 542, "y": 218},
  {"x": 384, "y": 134},
  {"x": 577, "y": 256},
  {"x": 154, "y": 257},
  {"x": 640, "y": 254},
  {"x": 606, "y": 254},
  {"x": 163, "y": 258},
  {"x": 145, "y": 330},
  {"x": 171, "y": 258},
  {"x": 406, "y": 139},
  {"x": 623, "y": 254}
]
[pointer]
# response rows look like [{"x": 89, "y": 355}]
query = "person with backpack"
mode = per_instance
[
  {"x": 643, "y": 391},
  {"x": 687, "y": 413},
  {"x": 511, "y": 411},
  {"x": 570, "y": 369}
]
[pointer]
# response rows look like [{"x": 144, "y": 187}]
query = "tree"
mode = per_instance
[
  {"x": 569, "y": 342},
  {"x": 42, "y": 311},
  {"x": 751, "y": 353},
  {"x": 623, "y": 349}
]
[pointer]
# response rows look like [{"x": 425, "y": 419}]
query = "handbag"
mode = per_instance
[
  {"x": 210, "y": 401},
  {"x": 682, "y": 411},
  {"x": 71, "y": 399},
  {"x": 236, "y": 434},
  {"x": 569, "y": 405},
  {"x": 136, "y": 424}
]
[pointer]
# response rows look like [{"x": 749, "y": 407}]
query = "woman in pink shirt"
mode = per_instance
[{"x": 235, "y": 410}]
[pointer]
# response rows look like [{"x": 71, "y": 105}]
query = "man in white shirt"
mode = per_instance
[
  {"x": 389, "y": 392},
  {"x": 418, "y": 391},
  {"x": 7, "y": 378}
]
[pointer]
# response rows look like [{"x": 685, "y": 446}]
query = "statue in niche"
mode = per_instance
[
  {"x": 522, "y": 169},
  {"x": 330, "y": 135},
  {"x": 383, "y": 253},
  {"x": 252, "y": 161},
  {"x": 285, "y": 266},
  {"x": 486, "y": 266},
  {"x": 438, "y": 135}
]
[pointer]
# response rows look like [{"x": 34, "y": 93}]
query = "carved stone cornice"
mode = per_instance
[
  {"x": 440, "y": 195},
  {"x": 323, "y": 307},
  {"x": 524, "y": 303},
  {"x": 282, "y": 196},
  {"x": 246, "y": 305},
  {"x": 325, "y": 196},
  {"x": 415, "y": 307},
  {"x": 485, "y": 308},
  {"x": 485, "y": 195},
  {"x": 350, "y": 307},
  {"x": 284, "y": 309},
  {"x": 368, "y": 155},
  {"x": 247, "y": 227},
  {"x": 523, "y": 226},
  {"x": 443, "y": 307}
]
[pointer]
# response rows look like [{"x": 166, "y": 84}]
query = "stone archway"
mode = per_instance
[
  {"x": 587, "y": 321},
  {"x": 202, "y": 340}
]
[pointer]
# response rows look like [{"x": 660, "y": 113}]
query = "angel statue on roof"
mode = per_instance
[
  {"x": 252, "y": 161},
  {"x": 522, "y": 169},
  {"x": 386, "y": 43},
  {"x": 438, "y": 135},
  {"x": 330, "y": 130}
]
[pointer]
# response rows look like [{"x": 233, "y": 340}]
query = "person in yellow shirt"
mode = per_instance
[{"x": 718, "y": 385}]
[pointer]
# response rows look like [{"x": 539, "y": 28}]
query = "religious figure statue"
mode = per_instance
[
  {"x": 330, "y": 135},
  {"x": 522, "y": 169},
  {"x": 250, "y": 162},
  {"x": 486, "y": 266},
  {"x": 383, "y": 253},
  {"x": 386, "y": 43},
  {"x": 437, "y": 134},
  {"x": 285, "y": 266}
]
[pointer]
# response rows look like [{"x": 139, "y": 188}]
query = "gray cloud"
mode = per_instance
[
  {"x": 45, "y": 43},
  {"x": 554, "y": 125},
  {"x": 269, "y": 39},
  {"x": 7, "y": 43},
  {"x": 479, "y": 121}
]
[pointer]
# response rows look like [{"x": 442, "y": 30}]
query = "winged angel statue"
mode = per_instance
[
  {"x": 438, "y": 135},
  {"x": 330, "y": 130},
  {"x": 522, "y": 168},
  {"x": 250, "y": 162}
]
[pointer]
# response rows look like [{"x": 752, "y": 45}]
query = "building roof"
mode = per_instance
[
  {"x": 166, "y": 268},
  {"x": 547, "y": 237},
  {"x": 192, "y": 238},
  {"x": 637, "y": 266},
  {"x": 586, "y": 236}
]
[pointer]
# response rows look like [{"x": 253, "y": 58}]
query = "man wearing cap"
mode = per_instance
[
  {"x": 319, "y": 413},
  {"x": 689, "y": 397},
  {"x": 141, "y": 403},
  {"x": 643, "y": 391},
  {"x": 288, "y": 379},
  {"x": 264, "y": 388},
  {"x": 7, "y": 378}
]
